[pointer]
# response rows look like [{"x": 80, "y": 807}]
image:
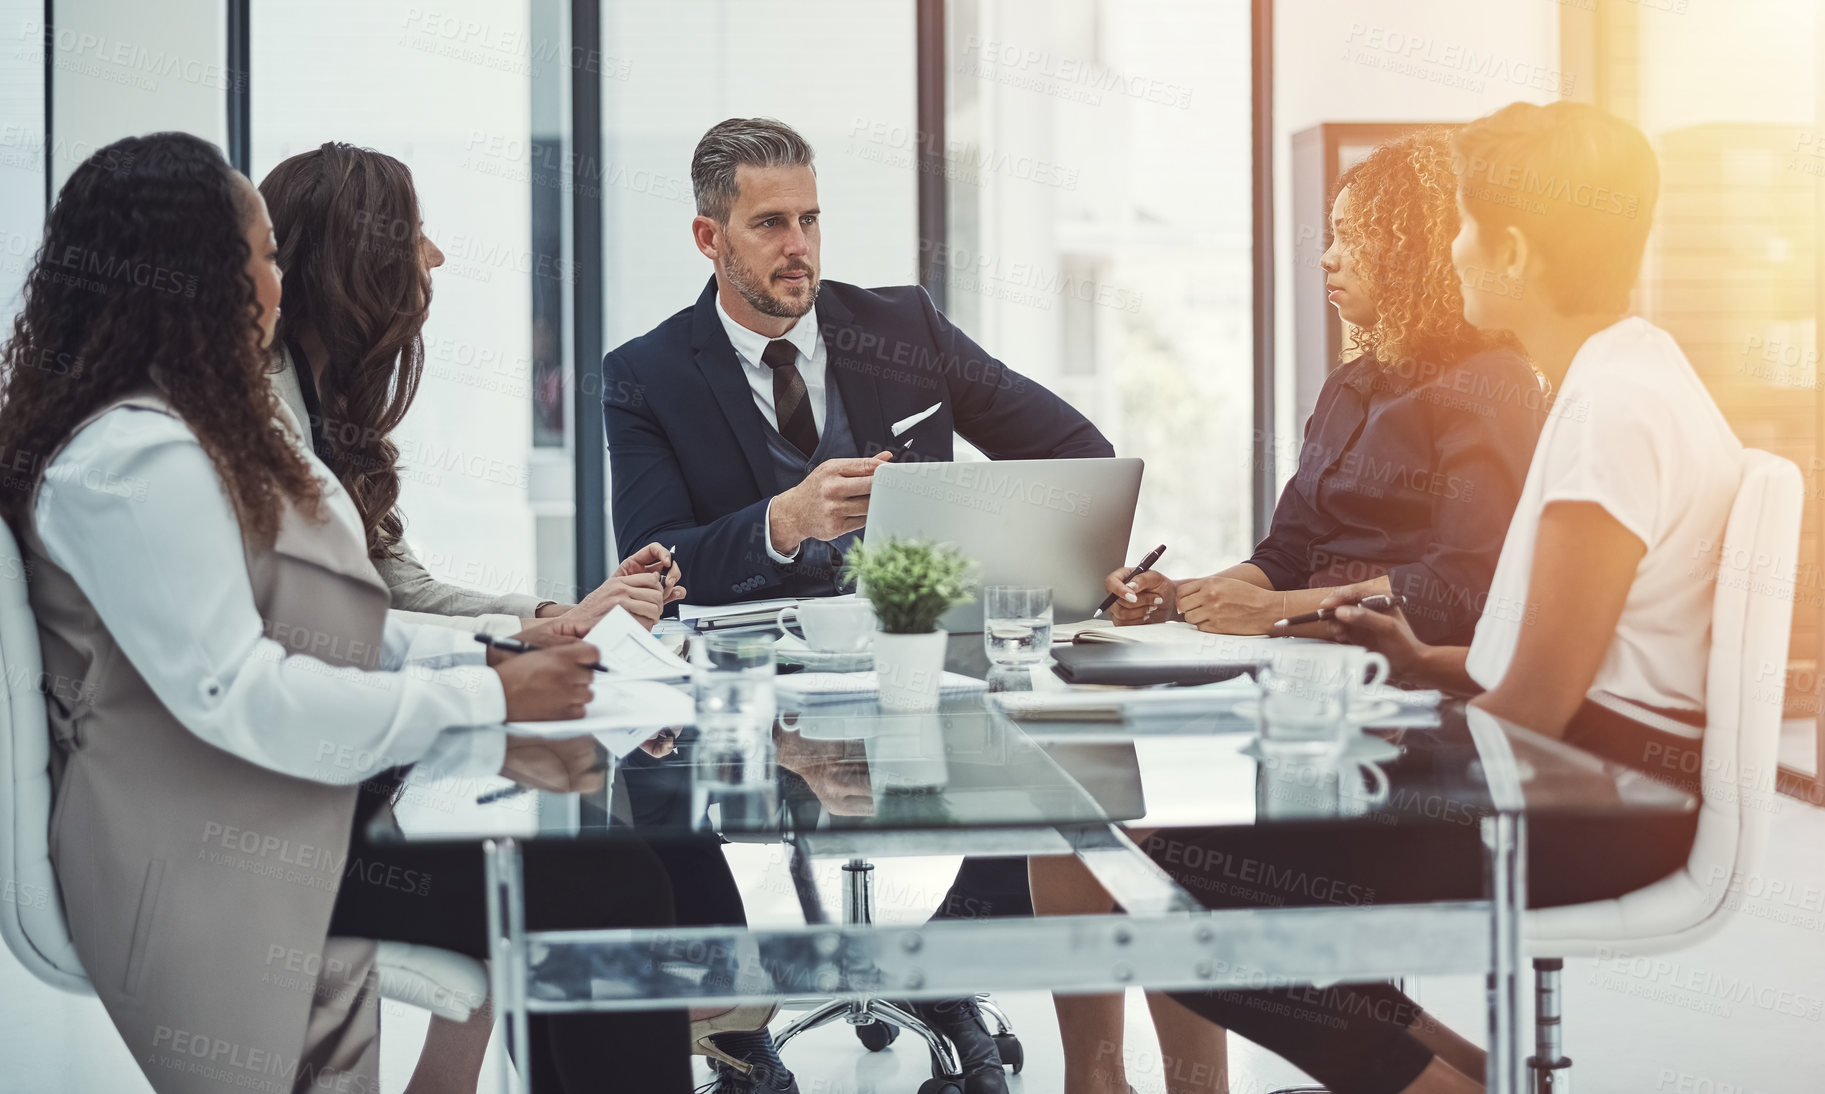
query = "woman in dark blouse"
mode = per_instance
[
  {"x": 1415, "y": 453},
  {"x": 1411, "y": 466}
]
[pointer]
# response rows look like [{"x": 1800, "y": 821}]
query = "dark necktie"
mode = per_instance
[{"x": 791, "y": 406}]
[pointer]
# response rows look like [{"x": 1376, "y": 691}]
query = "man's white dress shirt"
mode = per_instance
[{"x": 749, "y": 345}]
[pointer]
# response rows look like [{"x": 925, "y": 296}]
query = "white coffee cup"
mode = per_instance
[
  {"x": 1331, "y": 667},
  {"x": 1307, "y": 692},
  {"x": 1289, "y": 787},
  {"x": 837, "y": 625}
]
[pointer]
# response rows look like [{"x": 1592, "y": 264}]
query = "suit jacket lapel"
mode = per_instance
[
  {"x": 861, "y": 397},
  {"x": 721, "y": 370}
]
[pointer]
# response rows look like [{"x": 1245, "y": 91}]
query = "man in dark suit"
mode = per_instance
[
  {"x": 746, "y": 430},
  {"x": 759, "y": 504}
]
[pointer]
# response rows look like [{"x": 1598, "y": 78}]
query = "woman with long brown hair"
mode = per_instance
[
  {"x": 201, "y": 583},
  {"x": 350, "y": 357},
  {"x": 1410, "y": 468},
  {"x": 357, "y": 295}
]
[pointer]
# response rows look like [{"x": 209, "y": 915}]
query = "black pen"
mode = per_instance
[
  {"x": 665, "y": 572},
  {"x": 1380, "y": 602},
  {"x": 514, "y": 645},
  {"x": 1153, "y": 556}
]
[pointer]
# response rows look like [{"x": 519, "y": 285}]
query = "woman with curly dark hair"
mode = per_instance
[
  {"x": 225, "y": 675},
  {"x": 350, "y": 356},
  {"x": 1412, "y": 463},
  {"x": 1415, "y": 451}
]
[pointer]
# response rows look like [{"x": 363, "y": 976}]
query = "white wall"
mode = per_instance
[
  {"x": 126, "y": 67},
  {"x": 21, "y": 144},
  {"x": 444, "y": 88},
  {"x": 831, "y": 69}
]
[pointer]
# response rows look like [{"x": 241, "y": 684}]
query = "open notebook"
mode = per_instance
[{"x": 1183, "y": 639}]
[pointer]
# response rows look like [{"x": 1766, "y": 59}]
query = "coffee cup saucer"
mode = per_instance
[{"x": 792, "y": 650}]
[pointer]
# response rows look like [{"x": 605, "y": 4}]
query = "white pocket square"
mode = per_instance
[{"x": 907, "y": 423}]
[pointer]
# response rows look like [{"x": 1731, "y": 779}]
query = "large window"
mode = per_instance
[
  {"x": 1732, "y": 269},
  {"x": 1388, "y": 63},
  {"x": 1097, "y": 161},
  {"x": 450, "y": 90}
]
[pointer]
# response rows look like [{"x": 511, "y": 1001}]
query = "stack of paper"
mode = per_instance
[
  {"x": 630, "y": 653},
  {"x": 621, "y": 714},
  {"x": 631, "y": 701}
]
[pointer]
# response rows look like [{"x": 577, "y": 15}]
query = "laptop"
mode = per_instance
[{"x": 1063, "y": 523}]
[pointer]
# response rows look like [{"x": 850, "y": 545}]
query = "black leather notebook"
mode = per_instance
[{"x": 1140, "y": 664}]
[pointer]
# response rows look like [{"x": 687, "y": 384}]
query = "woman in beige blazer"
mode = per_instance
[{"x": 202, "y": 582}]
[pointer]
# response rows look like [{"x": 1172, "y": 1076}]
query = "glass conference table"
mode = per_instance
[{"x": 858, "y": 783}]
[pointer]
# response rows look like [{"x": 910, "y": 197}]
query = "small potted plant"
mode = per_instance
[{"x": 911, "y": 584}]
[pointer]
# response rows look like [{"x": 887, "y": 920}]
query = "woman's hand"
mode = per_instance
[
  {"x": 557, "y": 631},
  {"x": 568, "y": 766},
  {"x": 1149, "y": 597},
  {"x": 643, "y": 584},
  {"x": 1224, "y": 605},
  {"x": 547, "y": 685},
  {"x": 1387, "y": 633},
  {"x": 651, "y": 559}
]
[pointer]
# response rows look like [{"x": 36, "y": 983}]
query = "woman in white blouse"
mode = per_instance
[{"x": 201, "y": 581}]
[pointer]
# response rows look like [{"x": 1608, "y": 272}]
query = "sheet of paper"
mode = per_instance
[
  {"x": 630, "y": 653},
  {"x": 621, "y": 715},
  {"x": 694, "y": 613}
]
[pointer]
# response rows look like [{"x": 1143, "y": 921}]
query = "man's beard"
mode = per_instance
[{"x": 754, "y": 290}]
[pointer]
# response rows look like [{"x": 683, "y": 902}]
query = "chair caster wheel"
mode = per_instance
[
  {"x": 876, "y": 1036},
  {"x": 1013, "y": 1056},
  {"x": 939, "y": 1086}
]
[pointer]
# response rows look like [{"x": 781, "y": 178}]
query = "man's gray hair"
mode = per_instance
[{"x": 756, "y": 142}]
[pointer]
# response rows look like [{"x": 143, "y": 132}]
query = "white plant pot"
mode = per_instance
[
  {"x": 909, "y": 667},
  {"x": 906, "y": 752}
]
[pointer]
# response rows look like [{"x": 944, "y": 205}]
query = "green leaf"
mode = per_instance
[{"x": 911, "y": 583}]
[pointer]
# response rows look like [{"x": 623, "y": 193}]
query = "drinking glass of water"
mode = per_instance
[
  {"x": 1017, "y": 623},
  {"x": 734, "y": 761}
]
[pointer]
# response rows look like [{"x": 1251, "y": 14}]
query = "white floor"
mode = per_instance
[{"x": 1743, "y": 1013}]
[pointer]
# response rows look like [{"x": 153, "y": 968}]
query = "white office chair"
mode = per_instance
[
  {"x": 1751, "y": 617},
  {"x": 448, "y": 984}
]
